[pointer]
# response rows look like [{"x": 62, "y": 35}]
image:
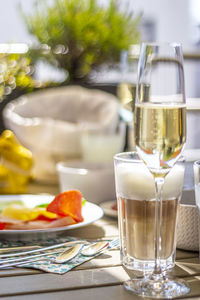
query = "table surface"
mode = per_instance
[{"x": 100, "y": 277}]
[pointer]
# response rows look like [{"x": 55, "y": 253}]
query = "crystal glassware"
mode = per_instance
[
  {"x": 196, "y": 168},
  {"x": 135, "y": 191},
  {"x": 160, "y": 135}
]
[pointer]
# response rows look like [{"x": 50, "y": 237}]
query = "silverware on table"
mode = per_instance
[
  {"x": 64, "y": 256},
  {"x": 94, "y": 248},
  {"x": 67, "y": 255},
  {"x": 99, "y": 247},
  {"x": 40, "y": 249},
  {"x": 25, "y": 259},
  {"x": 13, "y": 249}
]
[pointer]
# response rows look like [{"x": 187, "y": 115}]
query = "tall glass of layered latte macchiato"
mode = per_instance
[{"x": 135, "y": 192}]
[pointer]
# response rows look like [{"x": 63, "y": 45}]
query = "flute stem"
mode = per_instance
[{"x": 159, "y": 182}]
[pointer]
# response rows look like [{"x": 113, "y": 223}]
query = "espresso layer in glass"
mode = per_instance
[{"x": 138, "y": 227}]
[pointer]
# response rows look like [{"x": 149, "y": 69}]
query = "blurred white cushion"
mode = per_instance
[{"x": 50, "y": 123}]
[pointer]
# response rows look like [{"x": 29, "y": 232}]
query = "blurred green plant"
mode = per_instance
[
  {"x": 82, "y": 34},
  {"x": 17, "y": 74},
  {"x": 15, "y": 70}
]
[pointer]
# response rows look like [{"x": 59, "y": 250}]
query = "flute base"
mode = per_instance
[{"x": 161, "y": 287}]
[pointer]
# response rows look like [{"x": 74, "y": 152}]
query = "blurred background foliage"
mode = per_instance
[
  {"x": 77, "y": 36},
  {"x": 15, "y": 71},
  {"x": 17, "y": 74},
  {"x": 81, "y": 34}
]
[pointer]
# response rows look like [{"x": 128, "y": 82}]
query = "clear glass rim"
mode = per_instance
[
  {"x": 162, "y": 44},
  {"x": 120, "y": 157},
  {"x": 197, "y": 163}
]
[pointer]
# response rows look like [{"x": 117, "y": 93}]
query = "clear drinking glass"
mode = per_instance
[
  {"x": 196, "y": 168},
  {"x": 160, "y": 134},
  {"x": 136, "y": 212}
]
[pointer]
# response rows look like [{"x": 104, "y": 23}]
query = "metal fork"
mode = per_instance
[{"x": 114, "y": 244}]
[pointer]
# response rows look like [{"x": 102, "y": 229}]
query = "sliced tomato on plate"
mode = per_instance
[
  {"x": 68, "y": 203},
  {"x": 2, "y": 226}
]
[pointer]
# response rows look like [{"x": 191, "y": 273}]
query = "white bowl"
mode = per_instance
[
  {"x": 50, "y": 123},
  {"x": 94, "y": 180}
]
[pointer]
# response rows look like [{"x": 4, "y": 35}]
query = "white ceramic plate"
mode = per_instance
[
  {"x": 90, "y": 212},
  {"x": 107, "y": 208}
]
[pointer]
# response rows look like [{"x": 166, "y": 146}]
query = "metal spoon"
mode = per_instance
[
  {"x": 68, "y": 254},
  {"x": 94, "y": 248},
  {"x": 63, "y": 257},
  {"x": 89, "y": 250}
]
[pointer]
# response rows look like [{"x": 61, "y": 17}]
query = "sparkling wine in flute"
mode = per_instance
[{"x": 160, "y": 134}]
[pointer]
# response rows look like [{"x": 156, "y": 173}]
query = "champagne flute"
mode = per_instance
[{"x": 160, "y": 135}]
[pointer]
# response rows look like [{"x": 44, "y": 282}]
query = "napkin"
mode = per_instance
[{"x": 47, "y": 265}]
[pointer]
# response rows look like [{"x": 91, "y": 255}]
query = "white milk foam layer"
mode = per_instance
[{"x": 134, "y": 181}]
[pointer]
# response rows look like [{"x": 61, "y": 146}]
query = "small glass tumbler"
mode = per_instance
[
  {"x": 197, "y": 191},
  {"x": 136, "y": 212}
]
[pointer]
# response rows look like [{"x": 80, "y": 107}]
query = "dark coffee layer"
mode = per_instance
[{"x": 138, "y": 227}]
